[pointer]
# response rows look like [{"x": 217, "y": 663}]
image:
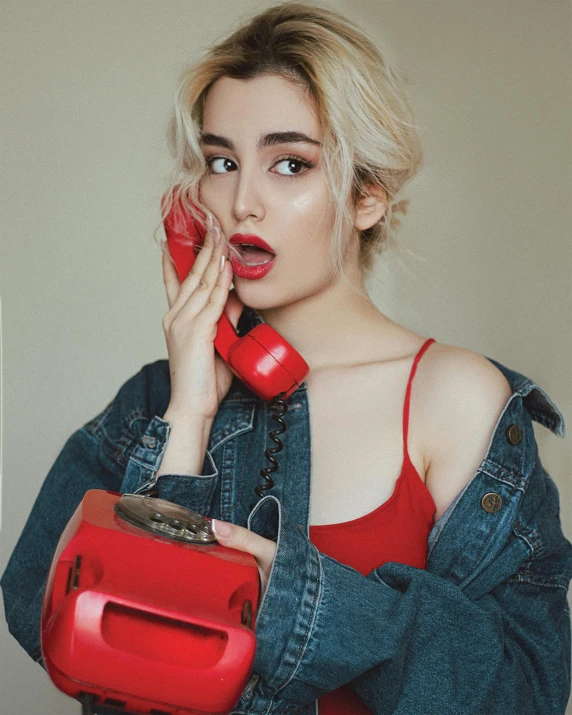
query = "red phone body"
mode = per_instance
[
  {"x": 146, "y": 623},
  {"x": 265, "y": 362}
]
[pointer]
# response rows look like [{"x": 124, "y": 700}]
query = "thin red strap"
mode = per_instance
[{"x": 418, "y": 357}]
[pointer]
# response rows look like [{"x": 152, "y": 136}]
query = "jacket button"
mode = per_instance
[
  {"x": 491, "y": 503},
  {"x": 513, "y": 434},
  {"x": 149, "y": 441}
]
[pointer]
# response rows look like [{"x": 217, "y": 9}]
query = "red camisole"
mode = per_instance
[{"x": 396, "y": 531}]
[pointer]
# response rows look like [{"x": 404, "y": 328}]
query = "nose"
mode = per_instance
[{"x": 248, "y": 201}]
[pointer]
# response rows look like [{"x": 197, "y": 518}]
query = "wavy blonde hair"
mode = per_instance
[{"x": 369, "y": 133}]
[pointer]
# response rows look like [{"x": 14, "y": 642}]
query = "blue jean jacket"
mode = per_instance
[{"x": 484, "y": 629}]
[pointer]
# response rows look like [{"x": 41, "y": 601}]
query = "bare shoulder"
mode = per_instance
[{"x": 461, "y": 397}]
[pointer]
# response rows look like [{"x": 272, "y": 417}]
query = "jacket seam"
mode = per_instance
[
  {"x": 529, "y": 536},
  {"x": 117, "y": 450},
  {"x": 240, "y": 481},
  {"x": 498, "y": 472},
  {"x": 528, "y": 577},
  {"x": 244, "y": 426},
  {"x": 319, "y": 585}
]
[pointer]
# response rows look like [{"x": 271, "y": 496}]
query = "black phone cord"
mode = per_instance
[{"x": 279, "y": 407}]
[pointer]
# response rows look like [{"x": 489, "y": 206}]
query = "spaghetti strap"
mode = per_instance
[{"x": 418, "y": 357}]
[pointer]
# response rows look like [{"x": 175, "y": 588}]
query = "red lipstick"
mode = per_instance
[{"x": 250, "y": 255}]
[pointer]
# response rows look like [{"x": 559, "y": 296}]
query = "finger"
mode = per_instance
[
  {"x": 196, "y": 277},
  {"x": 212, "y": 290},
  {"x": 212, "y": 270},
  {"x": 233, "y": 308},
  {"x": 245, "y": 540},
  {"x": 170, "y": 279},
  {"x": 217, "y": 301}
]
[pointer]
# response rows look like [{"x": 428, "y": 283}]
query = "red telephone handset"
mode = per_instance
[{"x": 266, "y": 363}]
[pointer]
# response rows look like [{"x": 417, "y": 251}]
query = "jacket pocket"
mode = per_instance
[{"x": 195, "y": 492}]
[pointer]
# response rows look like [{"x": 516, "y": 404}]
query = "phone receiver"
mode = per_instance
[{"x": 266, "y": 363}]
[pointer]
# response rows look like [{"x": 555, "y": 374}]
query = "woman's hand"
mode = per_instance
[
  {"x": 200, "y": 379},
  {"x": 241, "y": 539}
]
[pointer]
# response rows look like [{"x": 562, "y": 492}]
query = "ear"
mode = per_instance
[{"x": 370, "y": 207}]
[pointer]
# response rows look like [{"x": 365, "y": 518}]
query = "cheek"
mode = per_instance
[
  {"x": 311, "y": 211},
  {"x": 207, "y": 194},
  {"x": 310, "y": 223}
]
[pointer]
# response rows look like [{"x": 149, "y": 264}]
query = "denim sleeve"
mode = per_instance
[
  {"x": 406, "y": 640},
  {"x": 76, "y": 470},
  {"x": 119, "y": 450}
]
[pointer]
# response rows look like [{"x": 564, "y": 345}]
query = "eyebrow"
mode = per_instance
[{"x": 208, "y": 139}]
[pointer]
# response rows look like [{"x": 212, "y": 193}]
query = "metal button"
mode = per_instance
[
  {"x": 491, "y": 503},
  {"x": 513, "y": 434},
  {"x": 149, "y": 441}
]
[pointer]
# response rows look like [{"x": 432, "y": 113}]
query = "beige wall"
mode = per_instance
[{"x": 86, "y": 90}]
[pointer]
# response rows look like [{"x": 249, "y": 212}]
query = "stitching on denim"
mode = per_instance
[
  {"x": 234, "y": 430},
  {"x": 240, "y": 480},
  {"x": 94, "y": 425},
  {"x": 500, "y": 473},
  {"x": 117, "y": 450},
  {"x": 518, "y": 485},
  {"x": 228, "y": 482},
  {"x": 134, "y": 416},
  {"x": 530, "y": 537},
  {"x": 528, "y": 577},
  {"x": 318, "y": 589},
  {"x": 240, "y": 398}
]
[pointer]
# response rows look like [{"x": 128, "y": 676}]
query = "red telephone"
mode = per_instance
[
  {"x": 144, "y": 611},
  {"x": 263, "y": 360}
]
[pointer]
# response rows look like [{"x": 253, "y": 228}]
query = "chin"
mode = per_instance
[
  {"x": 257, "y": 296},
  {"x": 265, "y": 294}
]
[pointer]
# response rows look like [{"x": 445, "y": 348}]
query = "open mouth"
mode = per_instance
[{"x": 251, "y": 255}]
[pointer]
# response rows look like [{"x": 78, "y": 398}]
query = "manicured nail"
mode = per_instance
[
  {"x": 221, "y": 528},
  {"x": 216, "y": 232},
  {"x": 209, "y": 222},
  {"x": 222, "y": 260}
]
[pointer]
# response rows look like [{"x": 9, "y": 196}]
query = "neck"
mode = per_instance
[{"x": 335, "y": 327}]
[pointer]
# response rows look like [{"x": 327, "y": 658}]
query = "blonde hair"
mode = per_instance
[{"x": 369, "y": 134}]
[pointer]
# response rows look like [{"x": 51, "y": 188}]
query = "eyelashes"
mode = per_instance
[{"x": 306, "y": 165}]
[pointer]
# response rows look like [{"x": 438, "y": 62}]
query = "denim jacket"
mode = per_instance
[{"x": 484, "y": 629}]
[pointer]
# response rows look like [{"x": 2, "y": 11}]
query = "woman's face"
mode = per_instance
[{"x": 272, "y": 187}]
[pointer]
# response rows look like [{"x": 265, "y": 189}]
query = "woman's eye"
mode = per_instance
[
  {"x": 219, "y": 165},
  {"x": 293, "y": 165}
]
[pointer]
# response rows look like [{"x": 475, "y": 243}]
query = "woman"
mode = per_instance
[{"x": 410, "y": 552}]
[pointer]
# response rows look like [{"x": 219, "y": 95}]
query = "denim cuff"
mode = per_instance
[
  {"x": 146, "y": 459},
  {"x": 147, "y": 455},
  {"x": 312, "y": 636},
  {"x": 193, "y": 491},
  {"x": 293, "y": 592}
]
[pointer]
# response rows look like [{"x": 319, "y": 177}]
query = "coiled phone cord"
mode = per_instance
[{"x": 279, "y": 407}]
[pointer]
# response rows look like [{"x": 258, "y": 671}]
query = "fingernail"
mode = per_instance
[
  {"x": 209, "y": 222},
  {"x": 221, "y": 528},
  {"x": 222, "y": 260},
  {"x": 216, "y": 232}
]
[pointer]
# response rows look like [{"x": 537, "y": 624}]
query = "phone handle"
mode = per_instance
[{"x": 262, "y": 359}]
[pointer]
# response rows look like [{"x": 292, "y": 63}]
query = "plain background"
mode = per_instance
[{"x": 87, "y": 87}]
